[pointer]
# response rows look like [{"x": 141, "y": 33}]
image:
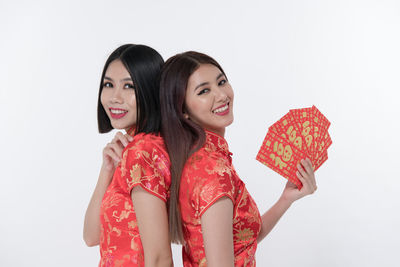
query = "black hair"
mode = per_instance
[{"x": 144, "y": 66}]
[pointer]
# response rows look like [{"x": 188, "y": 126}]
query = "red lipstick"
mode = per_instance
[
  {"x": 117, "y": 113},
  {"x": 222, "y": 113}
]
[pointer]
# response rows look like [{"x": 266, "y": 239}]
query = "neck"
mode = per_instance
[{"x": 220, "y": 132}]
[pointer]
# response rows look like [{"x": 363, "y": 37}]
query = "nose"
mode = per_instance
[
  {"x": 116, "y": 97},
  {"x": 220, "y": 95}
]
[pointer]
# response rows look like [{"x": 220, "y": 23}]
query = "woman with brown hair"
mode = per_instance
[{"x": 210, "y": 211}]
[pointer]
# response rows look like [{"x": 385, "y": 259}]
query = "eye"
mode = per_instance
[
  {"x": 203, "y": 91},
  {"x": 222, "y": 82},
  {"x": 129, "y": 86},
  {"x": 107, "y": 84}
]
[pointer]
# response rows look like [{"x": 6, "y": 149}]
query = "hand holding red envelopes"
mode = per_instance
[{"x": 301, "y": 133}]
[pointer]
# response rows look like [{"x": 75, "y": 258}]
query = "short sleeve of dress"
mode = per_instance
[
  {"x": 212, "y": 181},
  {"x": 145, "y": 163}
]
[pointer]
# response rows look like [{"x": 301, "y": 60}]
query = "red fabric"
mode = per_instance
[
  {"x": 207, "y": 176},
  {"x": 145, "y": 163}
]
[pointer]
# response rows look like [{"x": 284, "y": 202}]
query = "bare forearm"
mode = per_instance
[
  {"x": 164, "y": 260},
  {"x": 217, "y": 228},
  {"x": 152, "y": 219},
  {"x": 158, "y": 255},
  {"x": 91, "y": 230},
  {"x": 272, "y": 216}
]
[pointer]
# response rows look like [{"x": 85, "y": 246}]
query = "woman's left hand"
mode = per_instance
[{"x": 305, "y": 173}]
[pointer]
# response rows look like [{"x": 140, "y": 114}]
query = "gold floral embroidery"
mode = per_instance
[
  {"x": 208, "y": 175},
  {"x": 202, "y": 262},
  {"x": 132, "y": 224},
  {"x": 135, "y": 174},
  {"x": 244, "y": 234},
  {"x": 124, "y": 213},
  {"x": 134, "y": 242},
  {"x": 144, "y": 161}
]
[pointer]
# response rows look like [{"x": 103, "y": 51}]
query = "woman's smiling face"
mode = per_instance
[
  {"x": 118, "y": 96},
  {"x": 209, "y": 99}
]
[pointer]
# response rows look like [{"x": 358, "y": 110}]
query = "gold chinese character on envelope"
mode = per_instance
[{"x": 299, "y": 134}]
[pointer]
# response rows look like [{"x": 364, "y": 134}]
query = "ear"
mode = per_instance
[{"x": 185, "y": 113}]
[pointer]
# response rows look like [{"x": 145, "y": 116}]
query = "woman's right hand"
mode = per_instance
[
  {"x": 112, "y": 153},
  {"x": 306, "y": 175}
]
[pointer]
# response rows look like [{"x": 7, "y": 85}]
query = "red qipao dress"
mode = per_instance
[
  {"x": 207, "y": 176},
  {"x": 144, "y": 163}
]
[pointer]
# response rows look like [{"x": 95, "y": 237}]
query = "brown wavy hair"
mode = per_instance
[{"x": 182, "y": 136}]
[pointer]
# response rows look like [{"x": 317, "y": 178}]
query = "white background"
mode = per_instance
[{"x": 342, "y": 56}]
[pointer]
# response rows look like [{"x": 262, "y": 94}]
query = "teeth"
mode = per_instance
[
  {"x": 218, "y": 110},
  {"x": 113, "y": 111}
]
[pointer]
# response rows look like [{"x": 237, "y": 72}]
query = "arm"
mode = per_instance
[
  {"x": 290, "y": 194},
  {"x": 111, "y": 156},
  {"x": 152, "y": 219},
  {"x": 217, "y": 228},
  {"x": 91, "y": 228}
]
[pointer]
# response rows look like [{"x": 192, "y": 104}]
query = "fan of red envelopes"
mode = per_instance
[{"x": 301, "y": 133}]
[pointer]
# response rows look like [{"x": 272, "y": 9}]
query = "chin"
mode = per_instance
[
  {"x": 122, "y": 124},
  {"x": 119, "y": 126},
  {"x": 229, "y": 122}
]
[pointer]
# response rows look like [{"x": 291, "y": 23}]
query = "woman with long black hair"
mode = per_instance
[{"x": 127, "y": 214}]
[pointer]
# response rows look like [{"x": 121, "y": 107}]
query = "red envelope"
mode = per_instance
[
  {"x": 307, "y": 128},
  {"x": 323, "y": 146},
  {"x": 319, "y": 161},
  {"x": 323, "y": 125},
  {"x": 298, "y": 134},
  {"x": 287, "y": 128},
  {"x": 281, "y": 156}
]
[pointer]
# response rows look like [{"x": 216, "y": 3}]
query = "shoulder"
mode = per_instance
[
  {"x": 205, "y": 157},
  {"x": 148, "y": 152},
  {"x": 208, "y": 163},
  {"x": 145, "y": 162},
  {"x": 207, "y": 176},
  {"x": 208, "y": 170},
  {"x": 146, "y": 141},
  {"x": 146, "y": 144}
]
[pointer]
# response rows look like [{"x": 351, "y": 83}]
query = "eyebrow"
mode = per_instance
[
  {"x": 200, "y": 85},
  {"x": 125, "y": 79},
  {"x": 205, "y": 83}
]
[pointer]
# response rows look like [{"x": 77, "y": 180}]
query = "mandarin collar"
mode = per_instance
[
  {"x": 217, "y": 143},
  {"x": 131, "y": 131}
]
